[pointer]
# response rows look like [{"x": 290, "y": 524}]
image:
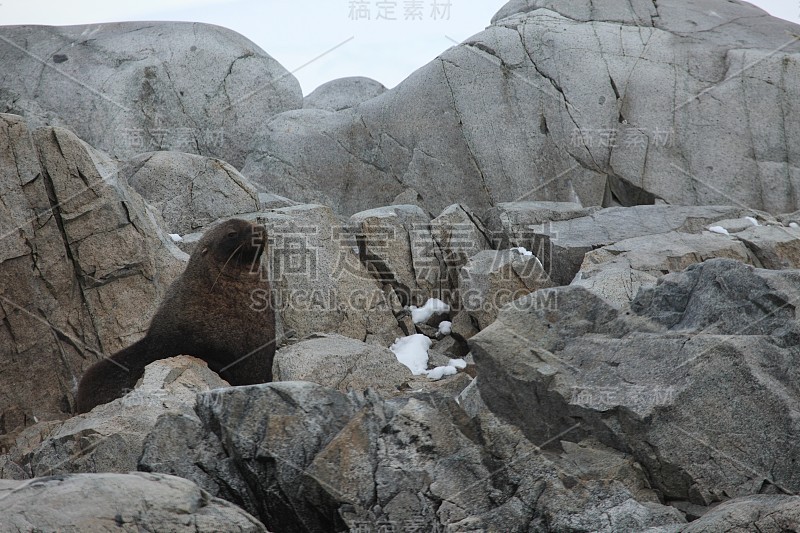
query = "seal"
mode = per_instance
[{"x": 207, "y": 313}]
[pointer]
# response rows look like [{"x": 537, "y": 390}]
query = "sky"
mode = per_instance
[{"x": 317, "y": 40}]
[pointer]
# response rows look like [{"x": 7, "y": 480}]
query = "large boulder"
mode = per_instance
[
  {"x": 341, "y": 363},
  {"x": 562, "y": 245},
  {"x": 190, "y": 191},
  {"x": 698, "y": 380},
  {"x": 117, "y": 502},
  {"x": 84, "y": 263},
  {"x": 318, "y": 281},
  {"x": 343, "y": 93},
  {"x": 492, "y": 279},
  {"x": 751, "y": 513},
  {"x": 600, "y": 103},
  {"x": 110, "y": 437},
  {"x": 133, "y": 87}
]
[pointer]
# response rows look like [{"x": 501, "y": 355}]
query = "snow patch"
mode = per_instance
[
  {"x": 445, "y": 327},
  {"x": 431, "y": 307},
  {"x": 175, "y": 237},
  {"x": 413, "y": 352},
  {"x": 718, "y": 229},
  {"x": 522, "y": 251},
  {"x": 441, "y": 371}
]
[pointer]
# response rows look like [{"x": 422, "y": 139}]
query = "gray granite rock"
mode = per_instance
[
  {"x": 618, "y": 271},
  {"x": 117, "y": 502},
  {"x": 492, "y": 279},
  {"x": 133, "y": 87},
  {"x": 697, "y": 381},
  {"x": 190, "y": 191},
  {"x": 600, "y": 103},
  {"x": 318, "y": 281},
  {"x": 562, "y": 245},
  {"x": 341, "y": 363},
  {"x": 762, "y": 512},
  {"x": 343, "y": 93},
  {"x": 84, "y": 263},
  {"x": 110, "y": 437},
  {"x": 396, "y": 245}
]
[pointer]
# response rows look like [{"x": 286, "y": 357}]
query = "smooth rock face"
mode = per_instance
[
  {"x": 190, "y": 191},
  {"x": 117, "y": 502},
  {"x": 697, "y": 381},
  {"x": 341, "y": 363},
  {"x": 84, "y": 263},
  {"x": 343, "y": 93},
  {"x": 133, "y": 87},
  {"x": 599, "y": 104}
]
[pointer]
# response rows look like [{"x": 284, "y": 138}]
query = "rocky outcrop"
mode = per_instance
[
  {"x": 343, "y": 93},
  {"x": 83, "y": 265},
  {"x": 641, "y": 374},
  {"x": 697, "y": 381},
  {"x": 108, "y": 502},
  {"x": 109, "y": 439},
  {"x": 616, "y": 272},
  {"x": 562, "y": 245},
  {"x": 601, "y": 104},
  {"x": 750, "y": 513},
  {"x": 396, "y": 245},
  {"x": 133, "y": 87},
  {"x": 304, "y": 458},
  {"x": 190, "y": 191}
]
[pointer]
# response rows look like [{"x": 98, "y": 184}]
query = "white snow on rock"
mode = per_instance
[
  {"x": 445, "y": 327},
  {"x": 522, "y": 251},
  {"x": 458, "y": 363},
  {"x": 413, "y": 352},
  {"x": 175, "y": 237},
  {"x": 441, "y": 371},
  {"x": 794, "y": 225},
  {"x": 431, "y": 307},
  {"x": 752, "y": 220},
  {"x": 718, "y": 229}
]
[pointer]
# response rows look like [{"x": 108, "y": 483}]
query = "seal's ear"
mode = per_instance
[{"x": 204, "y": 251}]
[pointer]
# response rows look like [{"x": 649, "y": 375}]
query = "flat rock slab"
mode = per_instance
[{"x": 117, "y": 502}]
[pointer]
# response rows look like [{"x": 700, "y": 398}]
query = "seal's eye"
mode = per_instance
[{"x": 232, "y": 234}]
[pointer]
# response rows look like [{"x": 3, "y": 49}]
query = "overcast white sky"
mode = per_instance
[{"x": 296, "y": 32}]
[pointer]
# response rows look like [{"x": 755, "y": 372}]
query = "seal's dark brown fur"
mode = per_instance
[{"x": 208, "y": 312}]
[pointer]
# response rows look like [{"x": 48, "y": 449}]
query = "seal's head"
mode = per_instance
[{"x": 235, "y": 244}]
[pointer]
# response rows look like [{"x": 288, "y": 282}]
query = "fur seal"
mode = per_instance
[{"x": 207, "y": 313}]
